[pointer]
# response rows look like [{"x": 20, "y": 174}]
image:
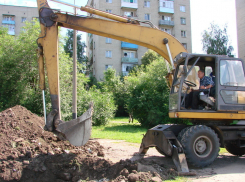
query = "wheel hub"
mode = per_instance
[{"x": 202, "y": 146}]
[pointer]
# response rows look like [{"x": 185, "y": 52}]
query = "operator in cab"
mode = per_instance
[{"x": 206, "y": 83}]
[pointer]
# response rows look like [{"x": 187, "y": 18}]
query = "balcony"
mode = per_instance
[
  {"x": 129, "y": 4},
  {"x": 166, "y": 10},
  {"x": 90, "y": 57},
  {"x": 125, "y": 73},
  {"x": 11, "y": 32},
  {"x": 166, "y": 6},
  {"x": 130, "y": 60},
  {"x": 166, "y": 22},
  {"x": 126, "y": 45},
  {"x": 8, "y": 22}
]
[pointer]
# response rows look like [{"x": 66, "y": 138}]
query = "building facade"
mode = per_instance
[
  {"x": 240, "y": 18},
  {"x": 13, "y": 17},
  {"x": 171, "y": 16}
]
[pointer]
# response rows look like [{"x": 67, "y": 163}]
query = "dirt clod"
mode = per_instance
[{"x": 133, "y": 177}]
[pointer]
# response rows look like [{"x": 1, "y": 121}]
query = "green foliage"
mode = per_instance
[
  {"x": 19, "y": 79},
  {"x": 215, "y": 41},
  {"x": 149, "y": 96},
  {"x": 19, "y": 69},
  {"x": 104, "y": 107},
  {"x": 149, "y": 56},
  {"x": 113, "y": 83},
  {"x": 68, "y": 47}
]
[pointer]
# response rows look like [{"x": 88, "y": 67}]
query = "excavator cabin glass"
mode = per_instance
[{"x": 226, "y": 73}]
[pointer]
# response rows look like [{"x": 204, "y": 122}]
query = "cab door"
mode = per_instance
[{"x": 230, "y": 87}]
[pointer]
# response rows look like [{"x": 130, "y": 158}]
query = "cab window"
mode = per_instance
[{"x": 231, "y": 73}]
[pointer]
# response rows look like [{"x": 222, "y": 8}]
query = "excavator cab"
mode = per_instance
[{"x": 227, "y": 73}]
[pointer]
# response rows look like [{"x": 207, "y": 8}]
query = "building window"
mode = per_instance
[
  {"x": 23, "y": 19},
  {"x": 108, "y": 66},
  {"x": 168, "y": 18},
  {"x": 185, "y": 45},
  {"x": 130, "y": 1},
  {"x": 182, "y": 8},
  {"x": 129, "y": 14},
  {"x": 108, "y": 40},
  {"x": 35, "y": 18},
  {"x": 166, "y": 30},
  {"x": 8, "y": 18},
  {"x": 108, "y": 10},
  {"x": 147, "y": 4},
  {"x": 129, "y": 54},
  {"x": 11, "y": 29},
  {"x": 183, "y": 21},
  {"x": 183, "y": 33},
  {"x": 147, "y": 16},
  {"x": 109, "y": 1},
  {"x": 108, "y": 54},
  {"x": 167, "y": 4}
]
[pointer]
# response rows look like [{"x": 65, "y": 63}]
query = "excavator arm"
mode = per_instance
[{"x": 120, "y": 28}]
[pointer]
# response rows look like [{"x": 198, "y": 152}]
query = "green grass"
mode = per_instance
[
  {"x": 178, "y": 179},
  {"x": 223, "y": 151},
  {"x": 119, "y": 129}
]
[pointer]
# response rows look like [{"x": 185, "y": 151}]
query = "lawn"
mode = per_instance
[{"x": 120, "y": 129}]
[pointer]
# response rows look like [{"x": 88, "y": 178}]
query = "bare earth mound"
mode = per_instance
[{"x": 28, "y": 153}]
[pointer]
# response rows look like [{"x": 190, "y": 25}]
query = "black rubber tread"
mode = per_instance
[
  {"x": 161, "y": 152},
  {"x": 182, "y": 132},
  {"x": 234, "y": 149},
  {"x": 187, "y": 142}
]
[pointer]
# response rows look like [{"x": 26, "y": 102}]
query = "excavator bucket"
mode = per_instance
[{"x": 77, "y": 131}]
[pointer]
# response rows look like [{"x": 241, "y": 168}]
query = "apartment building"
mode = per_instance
[
  {"x": 14, "y": 17},
  {"x": 240, "y": 18},
  {"x": 171, "y": 16}
]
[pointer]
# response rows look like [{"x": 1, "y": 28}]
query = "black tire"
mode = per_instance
[
  {"x": 201, "y": 145},
  {"x": 234, "y": 149},
  {"x": 161, "y": 152},
  {"x": 181, "y": 133}
]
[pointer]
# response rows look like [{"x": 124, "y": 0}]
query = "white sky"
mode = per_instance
[{"x": 203, "y": 12}]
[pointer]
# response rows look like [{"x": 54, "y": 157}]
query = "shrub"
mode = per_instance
[{"x": 104, "y": 107}]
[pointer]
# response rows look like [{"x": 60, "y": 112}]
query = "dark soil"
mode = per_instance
[{"x": 28, "y": 153}]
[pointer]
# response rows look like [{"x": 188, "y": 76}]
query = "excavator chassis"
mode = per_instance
[{"x": 163, "y": 137}]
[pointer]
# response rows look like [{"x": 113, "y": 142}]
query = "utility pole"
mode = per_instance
[{"x": 74, "y": 95}]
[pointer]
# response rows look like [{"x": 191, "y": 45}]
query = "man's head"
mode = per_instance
[{"x": 201, "y": 74}]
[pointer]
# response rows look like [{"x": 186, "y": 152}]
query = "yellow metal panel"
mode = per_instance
[
  {"x": 201, "y": 115},
  {"x": 136, "y": 34},
  {"x": 171, "y": 114}
]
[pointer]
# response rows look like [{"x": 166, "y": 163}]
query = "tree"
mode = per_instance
[
  {"x": 216, "y": 41},
  {"x": 68, "y": 47},
  {"x": 149, "y": 56},
  {"x": 19, "y": 69}
]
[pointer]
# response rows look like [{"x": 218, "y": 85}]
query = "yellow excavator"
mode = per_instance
[{"x": 218, "y": 121}]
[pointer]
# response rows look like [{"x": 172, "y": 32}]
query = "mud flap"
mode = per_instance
[
  {"x": 179, "y": 160},
  {"x": 77, "y": 131}
]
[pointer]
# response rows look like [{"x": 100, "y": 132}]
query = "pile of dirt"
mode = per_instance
[{"x": 29, "y": 153}]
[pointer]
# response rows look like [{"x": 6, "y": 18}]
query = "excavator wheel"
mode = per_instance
[
  {"x": 234, "y": 149},
  {"x": 201, "y": 145},
  {"x": 181, "y": 133}
]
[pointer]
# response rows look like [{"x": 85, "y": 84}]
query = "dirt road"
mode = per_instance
[{"x": 225, "y": 168}]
